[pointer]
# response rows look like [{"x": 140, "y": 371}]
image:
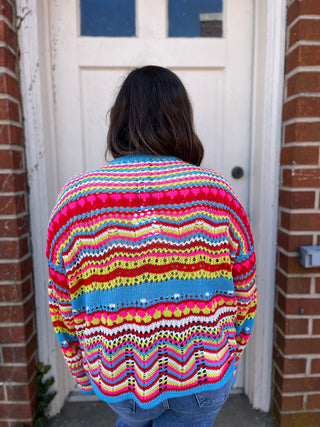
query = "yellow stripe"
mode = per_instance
[{"x": 97, "y": 269}]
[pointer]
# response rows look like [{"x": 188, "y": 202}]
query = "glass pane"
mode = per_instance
[
  {"x": 195, "y": 18},
  {"x": 109, "y": 18}
]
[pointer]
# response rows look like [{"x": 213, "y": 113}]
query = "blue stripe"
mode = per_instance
[
  {"x": 124, "y": 296},
  {"x": 248, "y": 323},
  {"x": 65, "y": 339}
]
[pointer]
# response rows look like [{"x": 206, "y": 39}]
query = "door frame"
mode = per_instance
[{"x": 36, "y": 62}]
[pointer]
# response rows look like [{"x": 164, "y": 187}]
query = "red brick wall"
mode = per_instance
[
  {"x": 18, "y": 343},
  {"x": 296, "y": 364}
]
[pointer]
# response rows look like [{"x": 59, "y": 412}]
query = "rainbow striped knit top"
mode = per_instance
[{"x": 151, "y": 279}]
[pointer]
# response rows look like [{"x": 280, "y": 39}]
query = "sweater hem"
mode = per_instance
[{"x": 166, "y": 394}]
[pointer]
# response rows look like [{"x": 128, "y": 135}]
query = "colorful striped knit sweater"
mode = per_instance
[{"x": 151, "y": 279}]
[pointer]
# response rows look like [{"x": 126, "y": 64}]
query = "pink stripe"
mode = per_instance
[{"x": 198, "y": 181}]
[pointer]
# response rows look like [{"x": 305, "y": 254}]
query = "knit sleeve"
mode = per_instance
[
  {"x": 61, "y": 316},
  {"x": 60, "y": 309},
  {"x": 244, "y": 275}
]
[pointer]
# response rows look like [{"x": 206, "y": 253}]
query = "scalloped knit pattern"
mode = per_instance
[{"x": 151, "y": 279}]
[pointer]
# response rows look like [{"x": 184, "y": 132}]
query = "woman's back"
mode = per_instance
[{"x": 152, "y": 279}]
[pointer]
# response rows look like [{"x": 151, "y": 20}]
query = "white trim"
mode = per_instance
[
  {"x": 38, "y": 102},
  {"x": 34, "y": 87},
  {"x": 269, "y": 54}
]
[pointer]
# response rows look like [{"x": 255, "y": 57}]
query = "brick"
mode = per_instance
[
  {"x": 26, "y": 423},
  {"x": 14, "y": 249},
  {"x": 313, "y": 401},
  {"x": 290, "y": 366},
  {"x": 318, "y": 285},
  {"x": 9, "y": 110},
  {"x": 7, "y": 35},
  {"x": 16, "y": 313},
  {"x": 304, "y": 29},
  {"x": 16, "y": 292},
  {"x": 292, "y": 243},
  {"x": 297, "y": 385},
  {"x": 16, "y": 334},
  {"x": 303, "y": 106},
  {"x": 297, "y": 199},
  {"x": 16, "y": 410},
  {"x": 12, "y": 373},
  {"x": 10, "y": 205},
  {"x": 7, "y": 59},
  {"x": 288, "y": 403},
  {"x": 20, "y": 354},
  {"x": 300, "y": 221},
  {"x": 293, "y": 285},
  {"x": 6, "y": 10},
  {"x": 293, "y": 346},
  {"x": 1, "y": 392},
  {"x": 305, "y": 155},
  {"x": 10, "y": 182},
  {"x": 316, "y": 326},
  {"x": 10, "y": 86},
  {"x": 302, "y": 7},
  {"x": 291, "y": 265},
  {"x": 278, "y": 379},
  {"x": 275, "y": 410},
  {"x": 315, "y": 366},
  {"x": 291, "y": 326},
  {"x": 10, "y": 134},
  {"x": 14, "y": 227},
  {"x": 297, "y": 419},
  {"x": 11, "y": 159},
  {"x": 303, "y": 56},
  {"x": 302, "y": 132},
  {"x": 309, "y": 306},
  {"x": 21, "y": 392},
  {"x": 303, "y": 82},
  {"x": 301, "y": 178},
  {"x": 11, "y": 272}
]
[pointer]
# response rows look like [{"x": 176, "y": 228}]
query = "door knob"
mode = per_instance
[{"x": 237, "y": 172}]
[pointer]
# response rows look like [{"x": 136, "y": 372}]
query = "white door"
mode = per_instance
[{"x": 87, "y": 71}]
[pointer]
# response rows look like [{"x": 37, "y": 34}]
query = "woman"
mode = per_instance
[{"x": 152, "y": 266}]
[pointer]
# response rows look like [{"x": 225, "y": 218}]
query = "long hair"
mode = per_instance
[{"x": 152, "y": 114}]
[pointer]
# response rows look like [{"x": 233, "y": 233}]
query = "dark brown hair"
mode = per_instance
[{"x": 152, "y": 114}]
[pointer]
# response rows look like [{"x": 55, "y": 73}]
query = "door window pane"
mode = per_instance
[
  {"x": 195, "y": 18},
  {"x": 108, "y": 18}
]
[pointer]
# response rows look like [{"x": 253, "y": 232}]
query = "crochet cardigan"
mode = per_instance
[{"x": 151, "y": 279}]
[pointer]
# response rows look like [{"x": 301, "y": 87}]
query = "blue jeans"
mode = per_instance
[{"x": 196, "y": 410}]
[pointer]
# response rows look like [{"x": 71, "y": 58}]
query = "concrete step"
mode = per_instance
[{"x": 237, "y": 412}]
